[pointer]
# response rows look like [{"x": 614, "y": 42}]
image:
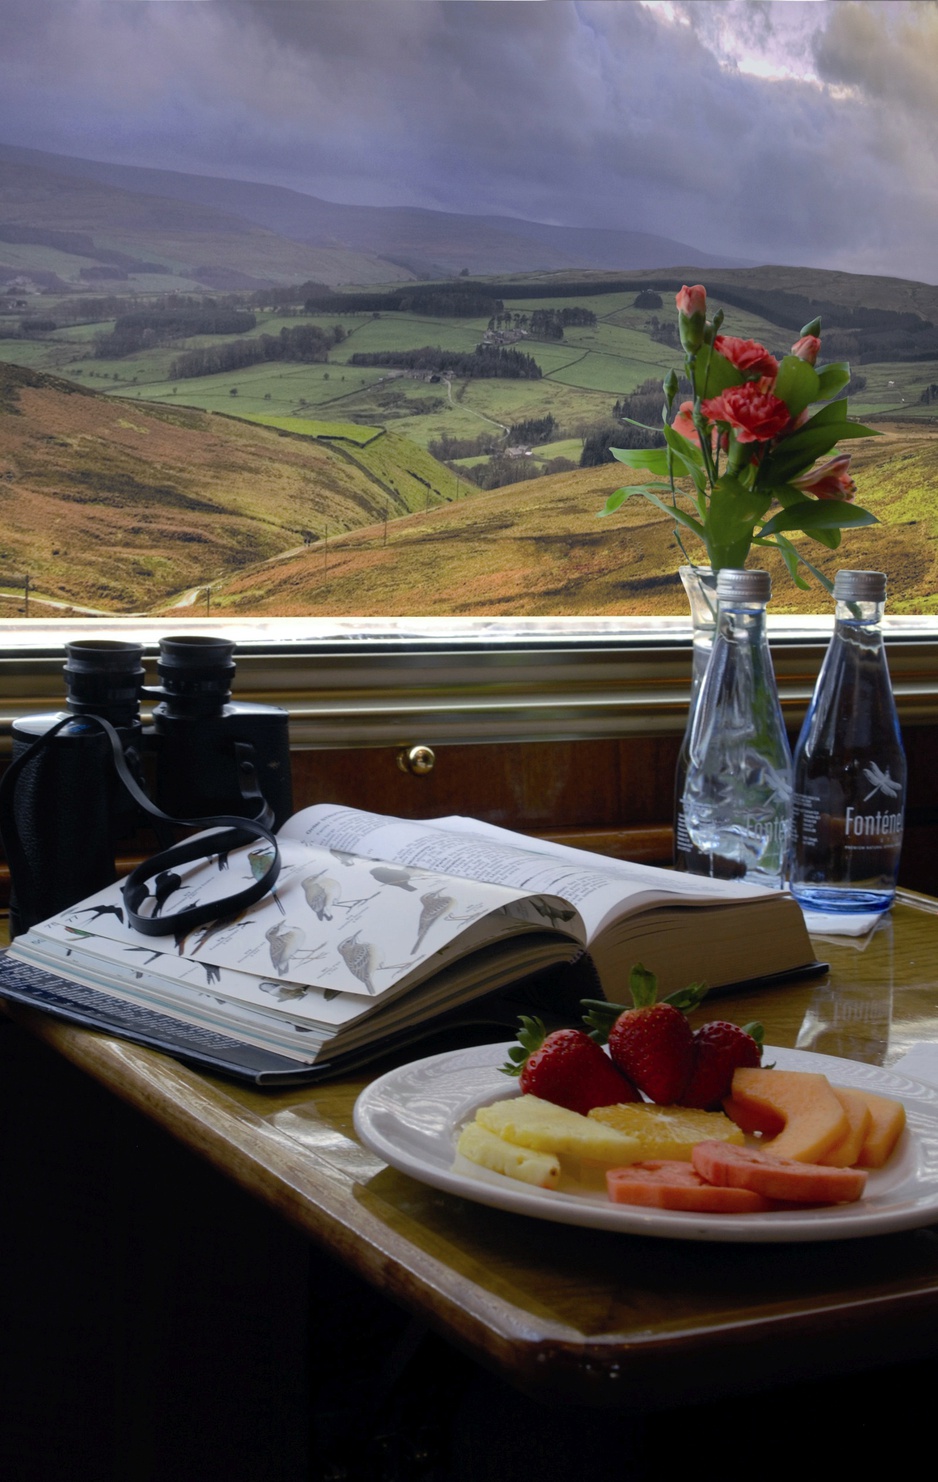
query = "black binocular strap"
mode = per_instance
[{"x": 228, "y": 832}]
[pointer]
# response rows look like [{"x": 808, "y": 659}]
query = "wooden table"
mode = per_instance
[{"x": 586, "y": 1316}]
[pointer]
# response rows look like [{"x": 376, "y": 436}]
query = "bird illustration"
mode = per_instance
[
  {"x": 163, "y": 887},
  {"x": 391, "y": 875},
  {"x": 102, "y": 911},
  {"x": 344, "y": 857},
  {"x": 359, "y": 958},
  {"x": 260, "y": 861},
  {"x": 319, "y": 894},
  {"x": 283, "y": 941},
  {"x": 435, "y": 905},
  {"x": 552, "y": 913},
  {"x": 151, "y": 957},
  {"x": 283, "y": 992},
  {"x": 214, "y": 928}
]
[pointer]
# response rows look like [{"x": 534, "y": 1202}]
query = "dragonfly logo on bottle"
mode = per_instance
[
  {"x": 880, "y": 782},
  {"x": 881, "y": 826}
]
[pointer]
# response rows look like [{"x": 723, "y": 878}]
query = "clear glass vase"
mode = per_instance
[{"x": 700, "y": 584}]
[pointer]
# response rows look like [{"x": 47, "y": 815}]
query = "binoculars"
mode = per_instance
[{"x": 202, "y": 754}]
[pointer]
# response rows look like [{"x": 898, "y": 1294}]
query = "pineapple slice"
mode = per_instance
[
  {"x": 487, "y": 1150},
  {"x": 529, "y": 1122}
]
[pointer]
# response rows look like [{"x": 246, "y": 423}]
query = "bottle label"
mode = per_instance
[
  {"x": 874, "y": 818},
  {"x": 877, "y": 828}
]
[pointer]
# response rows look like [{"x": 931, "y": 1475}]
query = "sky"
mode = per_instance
[{"x": 771, "y": 130}]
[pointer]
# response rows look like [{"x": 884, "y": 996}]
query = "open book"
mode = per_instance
[{"x": 378, "y": 927}]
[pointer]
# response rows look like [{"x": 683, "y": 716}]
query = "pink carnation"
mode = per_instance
[
  {"x": 684, "y": 424},
  {"x": 748, "y": 356},
  {"x": 830, "y": 480},
  {"x": 807, "y": 348},
  {"x": 691, "y": 301},
  {"x": 753, "y": 412}
]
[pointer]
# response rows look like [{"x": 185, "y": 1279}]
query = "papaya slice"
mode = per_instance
[
  {"x": 776, "y": 1178},
  {"x": 664, "y": 1183}
]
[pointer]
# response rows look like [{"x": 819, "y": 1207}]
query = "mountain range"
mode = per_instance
[{"x": 230, "y": 234}]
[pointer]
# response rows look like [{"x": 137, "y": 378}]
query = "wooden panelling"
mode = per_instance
[{"x": 611, "y": 796}]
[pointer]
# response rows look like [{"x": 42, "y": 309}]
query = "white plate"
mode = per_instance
[{"x": 412, "y": 1116}]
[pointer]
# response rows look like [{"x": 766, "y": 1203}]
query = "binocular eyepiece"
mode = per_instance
[{"x": 69, "y": 808}]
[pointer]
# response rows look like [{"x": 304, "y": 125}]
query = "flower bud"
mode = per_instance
[
  {"x": 670, "y": 388},
  {"x": 807, "y": 348},
  {"x": 692, "y": 316}
]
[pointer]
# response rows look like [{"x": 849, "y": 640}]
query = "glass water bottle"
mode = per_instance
[
  {"x": 849, "y": 771},
  {"x": 737, "y": 792}
]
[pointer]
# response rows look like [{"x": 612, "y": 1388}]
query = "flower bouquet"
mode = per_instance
[{"x": 749, "y": 443}]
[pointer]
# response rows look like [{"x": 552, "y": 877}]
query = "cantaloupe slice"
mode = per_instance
[
  {"x": 814, "y": 1118},
  {"x": 887, "y": 1119},
  {"x": 844, "y": 1154},
  {"x": 753, "y": 1119}
]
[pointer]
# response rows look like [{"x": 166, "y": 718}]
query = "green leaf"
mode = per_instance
[
  {"x": 643, "y": 986},
  {"x": 791, "y": 558},
  {"x": 687, "y": 521},
  {"x": 651, "y": 460},
  {"x": 688, "y": 452},
  {"x": 836, "y": 411},
  {"x": 616, "y": 500},
  {"x": 830, "y": 538},
  {"x": 813, "y": 328},
  {"x": 734, "y": 510},
  {"x": 810, "y": 515},
  {"x": 713, "y": 373},
  {"x": 832, "y": 379},
  {"x": 796, "y": 454},
  {"x": 687, "y": 998},
  {"x": 797, "y": 383},
  {"x": 600, "y": 1017}
]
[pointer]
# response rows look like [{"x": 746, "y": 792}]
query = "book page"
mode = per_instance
[
  {"x": 334, "y": 921},
  {"x": 600, "y": 888}
]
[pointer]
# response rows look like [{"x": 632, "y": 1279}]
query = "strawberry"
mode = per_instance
[
  {"x": 567, "y": 1068},
  {"x": 719, "y": 1049},
  {"x": 652, "y": 1043}
]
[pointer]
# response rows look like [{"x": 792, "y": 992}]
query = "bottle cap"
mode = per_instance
[
  {"x": 860, "y": 586},
  {"x": 743, "y": 586}
]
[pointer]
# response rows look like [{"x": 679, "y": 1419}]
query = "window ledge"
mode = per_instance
[{"x": 376, "y": 681}]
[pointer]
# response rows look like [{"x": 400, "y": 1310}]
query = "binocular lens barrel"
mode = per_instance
[
  {"x": 104, "y": 677},
  {"x": 196, "y": 675}
]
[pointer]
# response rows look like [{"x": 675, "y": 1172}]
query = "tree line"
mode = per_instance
[
  {"x": 484, "y": 361},
  {"x": 460, "y": 300},
  {"x": 144, "y": 329},
  {"x": 305, "y": 342}
]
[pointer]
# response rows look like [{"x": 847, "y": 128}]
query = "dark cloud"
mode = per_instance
[{"x": 760, "y": 129}]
